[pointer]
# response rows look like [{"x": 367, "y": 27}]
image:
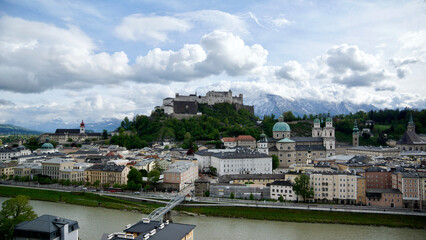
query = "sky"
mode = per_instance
[{"x": 65, "y": 61}]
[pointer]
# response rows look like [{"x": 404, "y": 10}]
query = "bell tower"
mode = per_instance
[
  {"x": 411, "y": 125},
  {"x": 82, "y": 127},
  {"x": 355, "y": 135}
]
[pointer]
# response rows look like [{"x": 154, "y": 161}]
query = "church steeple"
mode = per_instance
[
  {"x": 411, "y": 127},
  {"x": 355, "y": 135},
  {"x": 82, "y": 127}
]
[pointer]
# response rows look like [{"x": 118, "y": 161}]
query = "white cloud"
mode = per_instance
[
  {"x": 344, "y": 58},
  {"x": 211, "y": 20},
  {"x": 37, "y": 56},
  {"x": 227, "y": 52},
  {"x": 292, "y": 70},
  {"x": 280, "y": 22},
  {"x": 138, "y": 27}
]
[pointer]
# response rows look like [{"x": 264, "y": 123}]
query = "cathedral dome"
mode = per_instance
[
  {"x": 316, "y": 120},
  {"x": 47, "y": 146},
  {"x": 281, "y": 127}
]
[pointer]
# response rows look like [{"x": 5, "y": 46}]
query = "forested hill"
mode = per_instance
[
  {"x": 9, "y": 129},
  {"x": 222, "y": 120}
]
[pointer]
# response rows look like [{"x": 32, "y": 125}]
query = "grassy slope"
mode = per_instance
[{"x": 311, "y": 216}]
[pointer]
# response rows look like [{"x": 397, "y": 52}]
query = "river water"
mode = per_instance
[{"x": 95, "y": 221}]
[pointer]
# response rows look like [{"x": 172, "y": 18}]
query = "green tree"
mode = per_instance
[
  {"x": 116, "y": 185},
  {"x": 232, "y": 195},
  {"x": 302, "y": 188},
  {"x": 289, "y": 116},
  {"x": 275, "y": 161},
  {"x": 207, "y": 193},
  {"x": 14, "y": 211},
  {"x": 251, "y": 196},
  {"x": 106, "y": 185},
  {"x": 144, "y": 172},
  {"x": 104, "y": 134},
  {"x": 87, "y": 184},
  {"x": 158, "y": 167},
  {"x": 281, "y": 199},
  {"x": 135, "y": 176},
  {"x": 97, "y": 183},
  {"x": 153, "y": 176}
]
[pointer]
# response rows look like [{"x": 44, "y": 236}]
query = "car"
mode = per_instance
[
  {"x": 85, "y": 188},
  {"x": 137, "y": 193}
]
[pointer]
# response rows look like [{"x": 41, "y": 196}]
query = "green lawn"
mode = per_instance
[
  {"x": 381, "y": 127},
  {"x": 310, "y": 216}
]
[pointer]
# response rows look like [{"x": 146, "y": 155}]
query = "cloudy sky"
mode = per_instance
[{"x": 93, "y": 60}]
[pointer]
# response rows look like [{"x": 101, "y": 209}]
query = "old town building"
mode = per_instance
[
  {"x": 67, "y": 136},
  {"x": 107, "y": 174},
  {"x": 298, "y": 150}
]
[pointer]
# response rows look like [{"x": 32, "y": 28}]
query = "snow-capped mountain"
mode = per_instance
[{"x": 268, "y": 104}]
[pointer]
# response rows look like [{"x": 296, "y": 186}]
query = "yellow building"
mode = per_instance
[
  {"x": 6, "y": 169},
  {"x": 54, "y": 166},
  {"x": 22, "y": 171},
  {"x": 360, "y": 192},
  {"x": 107, "y": 174}
]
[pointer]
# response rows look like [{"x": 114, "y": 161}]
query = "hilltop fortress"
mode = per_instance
[{"x": 187, "y": 106}]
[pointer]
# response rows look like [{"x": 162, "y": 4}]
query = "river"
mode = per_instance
[{"x": 95, "y": 221}]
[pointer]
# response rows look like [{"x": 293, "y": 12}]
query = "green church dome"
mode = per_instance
[
  {"x": 316, "y": 120},
  {"x": 286, "y": 140},
  {"x": 281, "y": 127},
  {"x": 47, "y": 146}
]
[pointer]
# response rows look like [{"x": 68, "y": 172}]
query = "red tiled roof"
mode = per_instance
[
  {"x": 228, "y": 139},
  {"x": 245, "y": 138},
  {"x": 110, "y": 154}
]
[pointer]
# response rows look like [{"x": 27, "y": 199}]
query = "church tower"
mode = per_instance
[
  {"x": 329, "y": 137},
  {"x": 317, "y": 130},
  {"x": 411, "y": 125},
  {"x": 82, "y": 127},
  {"x": 355, "y": 135}
]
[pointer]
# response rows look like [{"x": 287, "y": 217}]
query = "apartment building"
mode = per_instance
[
  {"x": 360, "y": 191},
  {"x": 283, "y": 188},
  {"x": 6, "y": 169},
  {"x": 7, "y": 154},
  {"x": 384, "y": 198},
  {"x": 378, "y": 178},
  {"x": 339, "y": 187},
  {"x": 179, "y": 174},
  {"x": 410, "y": 184},
  {"x": 107, "y": 174},
  {"x": 54, "y": 166}
]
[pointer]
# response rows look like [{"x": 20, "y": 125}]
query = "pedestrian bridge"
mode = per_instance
[{"x": 158, "y": 213}]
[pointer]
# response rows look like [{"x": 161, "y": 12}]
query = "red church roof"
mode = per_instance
[{"x": 82, "y": 123}]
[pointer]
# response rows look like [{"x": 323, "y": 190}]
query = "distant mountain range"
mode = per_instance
[
  {"x": 51, "y": 126},
  {"x": 265, "y": 104},
  {"x": 273, "y": 104},
  {"x": 9, "y": 129}
]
